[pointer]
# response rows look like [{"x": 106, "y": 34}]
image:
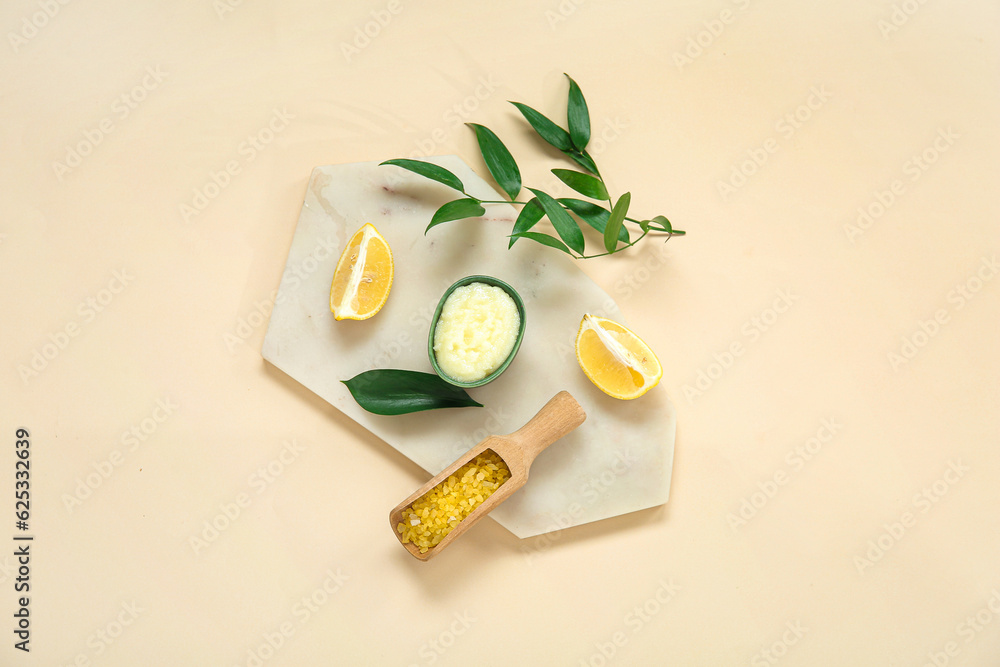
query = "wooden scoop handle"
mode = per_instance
[{"x": 558, "y": 417}]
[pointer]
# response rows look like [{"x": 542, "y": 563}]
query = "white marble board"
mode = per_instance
[{"x": 618, "y": 461}]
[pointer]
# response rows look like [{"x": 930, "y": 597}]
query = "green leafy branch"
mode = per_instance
[{"x": 564, "y": 212}]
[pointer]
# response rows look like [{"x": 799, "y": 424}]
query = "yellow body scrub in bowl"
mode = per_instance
[{"x": 476, "y": 331}]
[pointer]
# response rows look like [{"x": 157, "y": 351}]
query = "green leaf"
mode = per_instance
[
  {"x": 644, "y": 225},
  {"x": 615, "y": 222},
  {"x": 585, "y": 184},
  {"x": 545, "y": 128},
  {"x": 456, "y": 210},
  {"x": 593, "y": 215},
  {"x": 663, "y": 223},
  {"x": 584, "y": 160},
  {"x": 388, "y": 391},
  {"x": 564, "y": 224},
  {"x": 578, "y": 116},
  {"x": 544, "y": 239},
  {"x": 498, "y": 160},
  {"x": 428, "y": 170},
  {"x": 526, "y": 219}
]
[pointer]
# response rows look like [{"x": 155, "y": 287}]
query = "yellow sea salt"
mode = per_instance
[{"x": 429, "y": 519}]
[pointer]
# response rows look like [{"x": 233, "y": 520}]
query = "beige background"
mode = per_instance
[{"x": 126, "y": 302}]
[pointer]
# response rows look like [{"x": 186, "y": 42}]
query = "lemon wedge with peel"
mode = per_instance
[
  {"x": 615, "y": 359},
  {"x": 363, "y": 276}
]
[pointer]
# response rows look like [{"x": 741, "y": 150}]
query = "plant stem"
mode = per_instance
[
  {"x": 676, "y": 232},
  {"x": 525, "y": 203},
  {"x": 611, "y": 204},
  {"x": 627, "y": 245}
]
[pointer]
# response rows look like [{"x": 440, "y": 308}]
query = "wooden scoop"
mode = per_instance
[{"x": 518, "y": 450}]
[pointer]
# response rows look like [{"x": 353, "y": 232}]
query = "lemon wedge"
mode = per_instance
[
  {"x": 363, "y": 277},
  {"x": 615, "y": 359}
]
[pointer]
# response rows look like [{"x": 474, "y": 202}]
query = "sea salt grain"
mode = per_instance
[{"x": 439, "y": 510}]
